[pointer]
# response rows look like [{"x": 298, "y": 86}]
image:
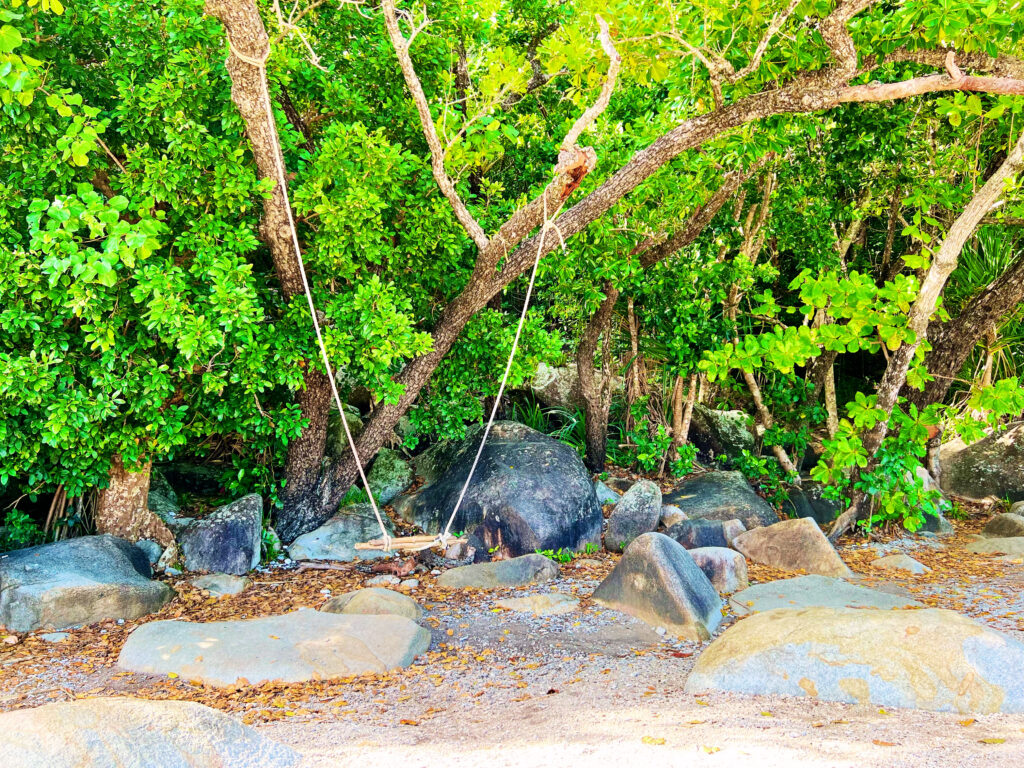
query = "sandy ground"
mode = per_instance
[{"x": 586, "y": 688}]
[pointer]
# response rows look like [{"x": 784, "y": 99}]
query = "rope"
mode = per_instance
[
  {"x": 260, "y": 62},
  {"x": 442, "y": 539}
]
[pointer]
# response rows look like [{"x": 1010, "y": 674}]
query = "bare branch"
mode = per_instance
[
  {"x": 444, "y": 183},
  {"x": 773, "y": 29},
  {"x": 584, "y": 121},
  {"x": 930, "y": 84},
  {"x": 834, "y": 32}
]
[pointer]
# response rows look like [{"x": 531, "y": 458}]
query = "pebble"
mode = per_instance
[
  {"x": 385, "y": 579},
  {"x": 171, "y": 571},
  {"x": 54, "y": 637},
  {"x": 410, "y": 583}
]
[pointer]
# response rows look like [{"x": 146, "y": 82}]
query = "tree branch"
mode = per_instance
[{"x": 444, "y": 183}]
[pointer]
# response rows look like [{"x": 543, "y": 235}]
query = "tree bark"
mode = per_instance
[
  {"x": 953, "y": 340},
  {"x": 249, "y": 42},
  {"x": 943, "y": 263},
  {"x": 595, "y": 388},
  {"x": 122, "y": 507}
]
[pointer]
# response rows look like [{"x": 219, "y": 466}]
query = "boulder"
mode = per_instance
[
  {"x": 517, "y": 572},
  {"x": 807, "y": 500},
  {"x": 671, "y": 515},
  {"x": 225, "y": 541},
  {"x": 604, "y": 494},
  {"x": 900, "y": 562},
  {"x": 658, "y": 582},
  {"x": 993, "y": 466},
  {"x": 547, "y": 604},
  {"x": 162, "y": 500},
  {"x": 726, "y": 569},
  {"x": 813, "y": 592},
  {"x": 722, "y": 496},
  {"x": 697, "y": 533},
  {"x": 1017, "y": 508},
  {"x": 620, "y": 484},
  {"x": 792, "y": 545},
  {"x": 637, "y": 512},
  {"x": 928, "y": 659},
  {"x": 1004, "y": 526},
  {"x": 151, "y": 549},
  {"x": 528, "y": 492},
  {"x": 557, "y": 386},
  {"x": 721, "y": 433},
  {"x": 1011, "y": 546},
  {"x": 337, "y": 443},
  {"x": 75, "y": 582},
  {"x": 389, "y": 476},
  {"x": 290, "y": 648},
  {"x": 337, "y": 538},
  {"x": 221, "y": 584},
  {"x": 134, "y": 732},
  {"x": 374, "y": 601}
]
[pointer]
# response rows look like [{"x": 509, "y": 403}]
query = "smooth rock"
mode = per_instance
[
  {"x": 1005, "y": 526},
  {"x": 929, "y": 659},
  {"x": 134, "y": 733},
  {"x": 384, "y": 578},
  {"x": 528, "y": 492},
  {"x": 389, "y": 476},
  {"x": 547, "y": 604},
  {"x": 792, "y": 545},
  {"x": 151, "y": 549},
  {"x": 1017, "y": 508},
  {"x": 337, "y": 538},
  {"x": 636, "y": 513},
  {"x": 221, "y": 584},
  {"x": 697, "y": 533},
  {"x": 604, "y": 494},
  {"x": 54, "y": 637},
  {"x": 225, "y": 541},
  {"x": 721, "y": 433},
  {"x": 1010, "y": 546},
  {"x": 291, "y": 648},
  {"x": 557, "y": 386},
  {"x": 726, "y": 569},
  {"x": 517, "y": 572},
  {"x": 722, "y": 496},
  {"x": 75, "y": 582},
  {"x": 813, "y": 592},
  {"x": 658, "y": 582},
  {"x": 993, "y": 466},
  {"x": 900, "y": 562},
  {"x": 671, "y": 515},
  {"x": 374, "y": 601}
]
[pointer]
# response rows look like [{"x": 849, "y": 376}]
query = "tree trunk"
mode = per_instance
[
  {"x": 596, "y": 388},
  {"x": 953, "y": 340},
  {"x": 122, "y": 508},
  {"x": 942, "y": 266},
  {"x": 249, "y": 91},
  {"x": 682, "y": 434}
]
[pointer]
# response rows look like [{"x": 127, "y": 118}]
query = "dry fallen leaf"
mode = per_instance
[
  {"x": 654, "y": 740},
  {"x": 992, "y": 740},
  {"x": 967, "y": 722},
  {"x": 710, "y": 750},
  {"x": 881, "y": 743}
]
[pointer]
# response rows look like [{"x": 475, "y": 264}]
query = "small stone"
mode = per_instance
[
  {"x": 1004, "y": 526},
  {"x": 410, "y": 583},
  {"x": 172, "y": 571},
  {"x": 152, "y": 549},
  {"x": 661, "y": 631},
  {"x": 548, "y": 604},
  {"x": 11, "y": 640},
  {"x": 671, "y": 515},
  {"x": 517, "y": 572},
  {"x": 605, "y": 495},
  {"x": 374, "y": 601},
  {"x": 456, "y": 550},
  {"x": 54, "y": 637},
  {"x": 383, "y": 579},
  {"x": 900, "y": 562},
  {"x": 120, "y": 622},
  {"x": 221, "y": 584},
  {"x": 1010, "y": 546},
  {"x": 698, "y": 533}
]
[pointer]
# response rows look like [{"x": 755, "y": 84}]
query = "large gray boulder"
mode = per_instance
[
  {"x": 657, "y": 582},
  {"x": 697, "y": 533},
  {"x": 726, "y": 569},
  {"x": 637, "y": 512},
  {"x": 792, "y": 545},
  {"x": 557, "y": 386},
  {"x": 291, "y": 648},
  {"x": 109, "y": 732},
  {"x": 517, "y": 572},
  {"x": 813, "y": 592},
  {"x": 337, "y": 538},
  {"x": 389, "y": 475},
  {"x": 993, "y": 466},
  {"x": 1004, "y": 526},
  {"x": 76, "y": 582},
  {"x": 927, "y": 659},
  {"x": 722, "y": 496},
  {"x": 529, "y": 492},
  {"x": 720, "y": 433},
  {"x": 225, "y": 541}
]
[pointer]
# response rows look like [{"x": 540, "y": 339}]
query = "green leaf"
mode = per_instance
[{"x": 10, "y": 38}]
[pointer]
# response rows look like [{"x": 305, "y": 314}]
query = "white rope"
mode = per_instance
[
  {"x": 279, "y": 166},
  {"x": 442, "y": 539}
]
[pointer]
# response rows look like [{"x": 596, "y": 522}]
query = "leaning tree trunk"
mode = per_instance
[
  {"x": 942, "y": 266},
  {"x": 595, "y": 387},
  {"x": 953, "y": 340},
  {"x": 249, "y": 43},
  {"x": 122, "y": 508}
]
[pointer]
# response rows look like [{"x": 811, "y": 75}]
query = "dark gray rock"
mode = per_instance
[
  {"x": 993, "y": 466},
  {"x": 162, "y": 500},
  {"x": 694, "y": 534},
  {"x": 726, "y": 569},
  {"x": 75, "y": 582},
  {"x": 658, "y": 582},
  {"x": 637, "y": 512},
  {"x": 1004, "y": 526},
  {"x": 529, "y": 492},
  {"x": 722, "y": 496},
  {"x": 337, "y": 538},
  {"x": 389, "y": 475},
  {"x": 720, "y": 433},
  {"x": 517, "y": 572},
  {"x": 605, "y": 495},
  {"x": 183, "y": 476},
  {"x": 151, "y": 549},
  {"x": 807, "y": 500},
  {"x": 620, "y": 484},
  {"x": 225, "y": 541},
  {"x": 337, "y": 443}
]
